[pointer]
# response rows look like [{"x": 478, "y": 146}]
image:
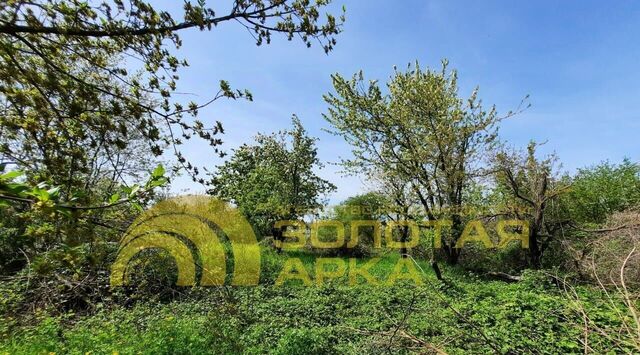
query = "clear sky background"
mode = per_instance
[{"x": 577, "y": 59}]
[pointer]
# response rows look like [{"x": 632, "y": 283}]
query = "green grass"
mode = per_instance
[{"x": 530, "y": 316}]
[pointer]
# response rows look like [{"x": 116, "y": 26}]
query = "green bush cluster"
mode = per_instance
[{"x": 530, "y": 316}]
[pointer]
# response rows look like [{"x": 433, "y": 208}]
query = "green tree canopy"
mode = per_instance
[
  {"x": 600, "y": 190},
  {"x": 420, "y": 133},
  {"x": 367, "y": 206},
  {"x": 273, "y": 179},
  {"x": 83, "y": 78},
  {"x": 535, "y": 191},
  {"x": 88, "y": 107}
]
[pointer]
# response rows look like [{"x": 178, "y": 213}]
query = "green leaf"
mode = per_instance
[
  {"x": 11, "y": 175},
  {"x": 16, "y": 189},
  {"x": 64, "y": 211},
  {"x": 134, "y": 190},
  {"x": 158, "y": 182},
  {"x": 54, "y": 191},
  {"x": 158, "y": 172},
  {"x": 42, "y": 195}
]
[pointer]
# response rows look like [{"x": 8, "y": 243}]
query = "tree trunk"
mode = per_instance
[
  {"x": 436, "y": 270},
  {"x": 277, "y": 238},
  {"x": 534, "y": 250},
  {"x": 404, "y": 252},
  {"x": 452, "y": 254}
]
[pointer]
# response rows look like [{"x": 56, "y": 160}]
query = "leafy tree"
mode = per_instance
[
  {"x": 371, "y": 206},
  {"x": 420, "y": 132},
  {"x": 533, "y": 185},
  {"x": 367, "y": 206},
  {"x": 601, "y": 190},
  {"x": 51, "y": 238},
  {"x": 80, "y": 78},
  {"x": 273, "y": 179},
  {"x": 87, "y": 107}
]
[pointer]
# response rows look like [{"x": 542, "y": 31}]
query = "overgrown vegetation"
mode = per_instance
[
  {"x": 81, "y": 141},
  {"x": 533, "y": 315}
]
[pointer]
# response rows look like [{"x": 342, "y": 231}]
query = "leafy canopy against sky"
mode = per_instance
[{"x": 577, "y": 60}]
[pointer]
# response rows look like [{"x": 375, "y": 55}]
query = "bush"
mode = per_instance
[{"x": 306, "y": 341}]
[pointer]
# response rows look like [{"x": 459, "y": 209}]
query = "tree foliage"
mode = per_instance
[
  {"x": 421, "y": 133},
  {"x": 80, "y": 78},
  {"x": 89, "y": 107},
  {"x": 600, "y": 190},
  {"x": 534, "y": 185},
  {"x": 370, "y": 206},
  {"x": 273, "y": 179}
]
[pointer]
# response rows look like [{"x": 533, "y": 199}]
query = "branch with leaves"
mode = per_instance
[
  {"x": 90, "y": 49},
  {"x": 13, "y": 189}
]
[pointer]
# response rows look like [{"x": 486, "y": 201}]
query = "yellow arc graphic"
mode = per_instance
[{"x": 193, "y": 218}]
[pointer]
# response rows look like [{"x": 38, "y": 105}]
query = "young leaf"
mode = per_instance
[
  {"x": 134, "y": 190},
  {"x": 11, "y": 175},
  {"x": 158, "y": 172}
]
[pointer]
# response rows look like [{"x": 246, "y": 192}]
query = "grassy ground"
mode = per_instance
[{"x": 467, "y": 315}]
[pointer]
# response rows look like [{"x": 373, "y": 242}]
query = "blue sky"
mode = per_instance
[{"x": 577, "y": 59}]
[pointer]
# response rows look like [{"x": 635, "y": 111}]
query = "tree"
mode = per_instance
[
  {"x": 273, "y": 179},
  {"x": 80, "y": 76},
  {"x": 87, "y": 108},
  {"x": 370, "y": 206},
  {"x": 601, "y": 190},
  {"x": 401, "y": 199},
  {"x": 532, "y": 183},
  {"x": 367, "y": 206},
  {"x": 420, "y": 132}
]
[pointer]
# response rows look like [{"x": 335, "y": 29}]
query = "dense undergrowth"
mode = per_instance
[{"x": 466, "y": 314}]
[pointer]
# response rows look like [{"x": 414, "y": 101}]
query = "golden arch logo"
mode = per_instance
[{"x": 192, "y": 229}]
